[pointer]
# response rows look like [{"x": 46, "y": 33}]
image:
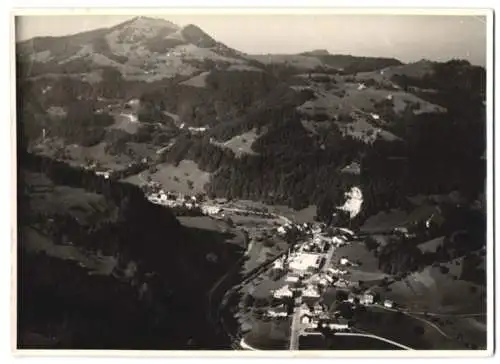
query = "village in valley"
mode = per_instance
[{"x": 308, "y": 270}]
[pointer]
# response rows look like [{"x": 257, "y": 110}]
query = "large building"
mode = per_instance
[{"x": 303, "y": 262}]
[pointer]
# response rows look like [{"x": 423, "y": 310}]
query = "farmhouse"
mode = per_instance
[
  {"x": 105, "y": 174},
  {"x": 367, "y": 298},
  {"x": 210, "y": 209},
  {"x": 337, "y": 326},
  {"x": 279, "y": 311},
  {"x": 344, "y": 261}
]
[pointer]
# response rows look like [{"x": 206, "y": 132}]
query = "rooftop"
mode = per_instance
[{"x": 303, "y": 261}]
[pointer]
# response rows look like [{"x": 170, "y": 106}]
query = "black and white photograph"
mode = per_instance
[{"x": 253, "y": 182}]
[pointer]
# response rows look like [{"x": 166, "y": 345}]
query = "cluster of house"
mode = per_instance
[
  {"x": 307, "y": 279},
  {"x": 107, "y": 173},
  {"x": 306, "y": 276},
  {"x": 284, "y": 229},
  {"x": 174, "y": 199},
  {"x": 368, "y": 298},
  {"x": 315, "y": 317},
  {"x": 315, "y": 229}
]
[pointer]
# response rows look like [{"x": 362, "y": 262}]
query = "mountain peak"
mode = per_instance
[
  {"x": 193, "y": 34},
  {"x": 149, "y": 22}
]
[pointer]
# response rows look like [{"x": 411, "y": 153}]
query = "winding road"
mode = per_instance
[
  {"x": 414, "y": 314},
  {"x": 374, "y": 337}
]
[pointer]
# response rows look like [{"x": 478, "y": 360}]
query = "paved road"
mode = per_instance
[
  {"x": 328, "y": 260},
  {"x": 436, "y": 314},
  {"x": 296, "y": 326}
]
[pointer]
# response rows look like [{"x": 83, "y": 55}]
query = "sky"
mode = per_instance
[{"x": 405, "y": 37}]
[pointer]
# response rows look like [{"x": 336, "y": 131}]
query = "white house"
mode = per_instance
[
  {"x": 344, "y": 261},
  {"x": 367, "y": 298},
  {"x": 105, "y": 174},
  {"x": 291, "y": 279},
  {"x": 388, "y": 303},
  {"x": 306, "y": 319},
  {"x": 361, "y": 86},
  {"x": 337, "y": 240},
  {"x": 333, "y": 271},
  {"x": 278, "y": 264},
  {"x": 283, "y": 292},
  {"x": 323, "y": 282},
  {"x": 375, "y": 116},
  {"x": 282, "y": 230},
  {"x": 277, "y": 312},
  {"x": 338, "y": 326},
  {"x": 310, "y": 292}
]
